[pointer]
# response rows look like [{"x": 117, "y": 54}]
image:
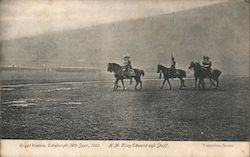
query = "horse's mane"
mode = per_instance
[
  {"x": 163, "y": 67},
  {"x": 115, "y": 64},
  {"x": 197, "y": 63}
]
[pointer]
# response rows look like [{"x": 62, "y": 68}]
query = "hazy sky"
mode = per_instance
[
  {"x": 84, "y": 33},
  {"x": 24, "y": 18}
]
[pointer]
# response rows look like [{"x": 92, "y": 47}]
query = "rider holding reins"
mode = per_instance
[
  {"x": 127, "y": 68},
  {"x": 127, "y": 63},
  {"x": 173, "y": 63},
  {"x": 206, "y": 64}
]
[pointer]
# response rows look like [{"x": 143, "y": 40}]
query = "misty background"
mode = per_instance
[{"x": 91, "y": 34}]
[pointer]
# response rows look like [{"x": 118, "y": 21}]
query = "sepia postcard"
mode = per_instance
[{"x": 129, "y": 78}]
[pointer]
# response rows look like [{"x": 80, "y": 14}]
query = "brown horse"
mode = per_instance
[
  {"x": 168, "y": 74},
  {"x": 201, "y": 73},
  {"x": 117, "y": 69}
]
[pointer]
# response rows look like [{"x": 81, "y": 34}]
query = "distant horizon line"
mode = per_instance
[{"x": 5, "y": 38}]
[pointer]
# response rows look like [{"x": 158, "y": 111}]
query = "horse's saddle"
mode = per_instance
[
  {"x": 207, "y": 73},
  {"x": 129, "y": 73},
  {"x": 207, "y": 70},
  {"x": 175, "y": 72}
]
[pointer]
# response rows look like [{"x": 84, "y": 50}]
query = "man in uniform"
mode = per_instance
[
  {"x": 127, "y": 66},
  {"x": 173, "y": 63},
  {"x": 207, "y": 64}
]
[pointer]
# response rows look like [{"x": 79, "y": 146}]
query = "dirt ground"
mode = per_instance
[{"x": 92, "y": 111}]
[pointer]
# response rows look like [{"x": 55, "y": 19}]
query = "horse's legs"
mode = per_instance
[
  {"x": 163, "y": 83},
  {"x": 181, "y": 83},
  {"x": 199, "y": 83},
  {"x": 115, "y": 85},
  {"x": 136, "y": 84},
  {"x": 123, "y": 84},
  {"x": 214, "y": 82},
  {"x": 217, "y": 85},
  {"x": 203, "y": 84},
  {"x": 130, "y": 81},
  {"x": 195, "y": 84},
  {"x": 210, "y": 82},
  {"x": 140, "y": 84},
  {"x": 169, "y": 84}
]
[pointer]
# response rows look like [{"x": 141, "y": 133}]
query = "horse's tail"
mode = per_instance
[
  {"x": 216, "y": 73},
  {"x": 219, "y": 73},
  {"x": 143, "y": 73},
  {"x": 183, "y": 73}
]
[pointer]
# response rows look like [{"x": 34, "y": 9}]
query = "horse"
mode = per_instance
[
  {"x": 201, "y": 73},
  {"x": 118, "y": 70},
  {"x": 167, "y": 72}
]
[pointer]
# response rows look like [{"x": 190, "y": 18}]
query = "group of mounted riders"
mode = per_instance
[
  {"x": 128, "y": 71},
  {"x": 201, "y": 69}
]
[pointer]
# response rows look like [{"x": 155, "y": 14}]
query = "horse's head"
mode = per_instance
[
  {"x": 192, "y": 65},
  {"x": 159, "y": 68},
  {"x": 195, "y": 65},
  {"x": 109, "y": 67},
  {"x": 113, "y": 67}
]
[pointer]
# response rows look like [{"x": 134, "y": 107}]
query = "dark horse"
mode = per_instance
[
  {"x": 117, "y": 69},
  {"x": 201, "y": 73},
  {"x": 168, "y": 74}
]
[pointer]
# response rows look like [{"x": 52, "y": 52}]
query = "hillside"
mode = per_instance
[{"x": 220, "y": 31}]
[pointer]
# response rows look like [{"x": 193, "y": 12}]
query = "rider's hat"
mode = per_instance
[
  {"x": 204, "y": 57},
  {"x": 207, "y": 57},
  {"x": 126, "y": 56}
]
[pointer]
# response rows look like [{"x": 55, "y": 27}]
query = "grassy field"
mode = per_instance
[
  {"x": 27, "y": 77},
  {"x": 92, "y": 111}
]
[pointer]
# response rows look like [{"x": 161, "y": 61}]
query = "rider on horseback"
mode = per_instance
[
  {"x": 206, "y": 64},
  {"x": 173, "y": 63},
  {"x": 127, "y": 68}
]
